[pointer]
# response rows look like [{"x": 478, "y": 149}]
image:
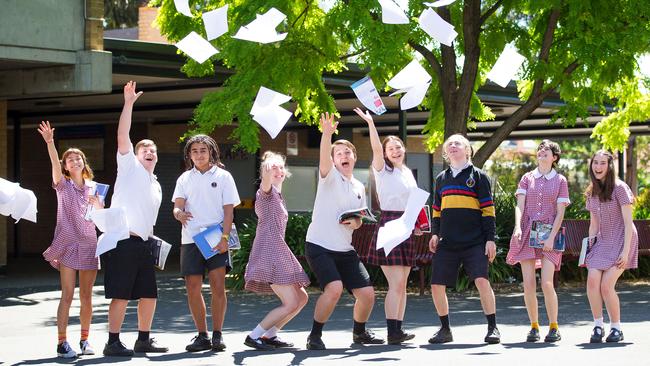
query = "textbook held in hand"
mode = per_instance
[
  {"x": 100, "y": 190},
  {"x": 362, "y": 213},
  {"x": 540, "y": 232},
  {"x": 208, "y": 239}
]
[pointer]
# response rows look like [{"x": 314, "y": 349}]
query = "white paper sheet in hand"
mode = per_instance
[
  {"x": 112, "y": 222},
  {"x": 413, "y": 80},
  {"x": 391, "y": 13},
  {"x": 267, "y": 111},
  {"x": 196, "y": 47},
  {"x": 183, "y": 7},
  {"x": 396, "y": 231},
  {"x": 216, "y": 22},
  {"x": 439, "y": 3},
  {"x": 17, "y": 202},
  {"x": 368, "y": 95},
  {"x": 436, "y": 27},
  {"x": 506, "y": 66},
  {"x": 262, "y": 29}
]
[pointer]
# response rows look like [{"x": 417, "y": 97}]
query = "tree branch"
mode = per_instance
[
  {"x": 304, "y": 12},
  {"x": 545, "y": 50},
  {"x": 348, "y": 55},
  {"x": 490, "y": 11},
  {"x": 429, "y": 56}
]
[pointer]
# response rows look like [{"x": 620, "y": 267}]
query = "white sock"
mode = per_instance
[
  {"x": 598, "y": 322},
  {"x": 271, "y": 332},
  {"x": 257, "y": 332},
  {"x": 616, "y": 326}
]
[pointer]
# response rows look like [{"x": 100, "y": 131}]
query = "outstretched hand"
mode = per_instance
[
  {"x": 130, "y": 96},
  {"x": 46, "y": 131},
  {"x": 327, "y": 123},
  {"x": 366, "y": 116}
]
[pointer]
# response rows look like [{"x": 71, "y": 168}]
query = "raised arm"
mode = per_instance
[
  {"x": 267, "y": 172},
  {"x": 123, "y": 128},
  {"x": 48, "y": 135},
  {"x": 375, "y": 143},
  {"x": 328, "y": 126}
]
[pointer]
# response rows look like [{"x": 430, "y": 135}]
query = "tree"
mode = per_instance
[{"x": 581, "y": 51}]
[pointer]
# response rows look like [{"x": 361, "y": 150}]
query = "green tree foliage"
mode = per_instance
[{"x": 580, "y": 51}]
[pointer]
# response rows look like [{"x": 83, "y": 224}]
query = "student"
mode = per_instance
[
  {"x": 75, "y": 240},
  {"x": 205, "y": 195},
  {"x": 542, "y": 196},
  {"x": 462, "y": 231},
  {"x": 613, "y": 243},
  {"x": 328, "y": 247},
  {"x": 272, "y": 267},
  {"x": 129, "y": 272},
  {"x": 394, "y": 180}
]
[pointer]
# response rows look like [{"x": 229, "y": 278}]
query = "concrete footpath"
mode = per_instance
[{"x": 28, "y": 303}]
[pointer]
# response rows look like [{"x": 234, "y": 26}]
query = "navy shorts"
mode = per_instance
[
  {"x": 330, "y": 266},
  {"x": 446, "y": 261},
  {"x": 129, "y": 270},
  {"x": 193, "y": 263}
]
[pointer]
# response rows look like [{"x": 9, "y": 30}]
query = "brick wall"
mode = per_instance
[
  {"x": 147, "y": 30},
  {"x": 94, "y": 27}
]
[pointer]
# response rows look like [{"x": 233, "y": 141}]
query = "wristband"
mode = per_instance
[{"x": 225, "y": 236}]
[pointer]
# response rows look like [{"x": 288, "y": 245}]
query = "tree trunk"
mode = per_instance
[{"x": 631, "y": 166}]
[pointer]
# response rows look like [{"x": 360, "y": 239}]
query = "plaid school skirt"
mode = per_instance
[{"x": 401, "y": 255}]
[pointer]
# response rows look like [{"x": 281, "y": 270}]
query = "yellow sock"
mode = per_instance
[
  {"x": 554, "y": 326},
  {"x": 534, "y": 325}
]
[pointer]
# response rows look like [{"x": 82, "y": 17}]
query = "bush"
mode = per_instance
[{"x": 642, "y": 205}]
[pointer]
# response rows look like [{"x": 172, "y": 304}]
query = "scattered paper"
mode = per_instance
[
  {"x": 413, "y": 80},
  {"x": 368, "y": 95},
  {"x": 196, "y": 47},
  {"x": 183, "y": 7},
  {"x": 262, "y": 29},
  {"x": 436, "y": 27},
  {"x": 216, "y": 22},
  {"x": 17, "y": 202},
  {"x": 326, "y": 5},
  {"x": 391, "y": 13},
  {"x": 440, "y": 3},
  {"x": 396, "y": 231},
  {"x": 506, "y": 66},
  {"x": 267, "y": 111},
  {"x": 112, "y": 222}
]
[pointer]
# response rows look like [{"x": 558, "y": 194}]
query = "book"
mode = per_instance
[
  {"x": 362, "y": 213},
  {"x": 160, "y": 250},
  {"x": 208, "y": 239},
  {"x": 101, "y": 190},
  {"x": 423, "y": 221},
  {"x": 540, "y": 232},
  {"x": 584, "y": 250}
]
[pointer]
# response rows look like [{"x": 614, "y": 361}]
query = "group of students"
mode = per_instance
[{"x": 462, "y": 232}]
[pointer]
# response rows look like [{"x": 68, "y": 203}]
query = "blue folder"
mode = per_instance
[{"x": 210, "y": 237}]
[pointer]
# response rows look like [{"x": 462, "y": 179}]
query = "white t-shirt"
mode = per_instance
[
  {"x": 335, "y": 195},
  {"x": 138, "y": 192},
  {"x": 205, "y": 194},
  {"x": 393, "y": 187}
]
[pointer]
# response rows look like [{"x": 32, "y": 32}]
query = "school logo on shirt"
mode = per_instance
[
  {"x": 470, "y": 182},
  {"x": 214, "y": 184}
]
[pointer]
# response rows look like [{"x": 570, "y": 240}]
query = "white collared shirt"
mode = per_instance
[
  {"x": 455, "y": 172},
  {"x": 205, "y": 194},
  {"x": 393, "y": 187},
  {"x": 548, "y": 176},
  {"x": 138, "y": 192}
]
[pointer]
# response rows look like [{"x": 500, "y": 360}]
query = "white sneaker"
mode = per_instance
[
  {"x": 86, "y": 348},
  {"x": 65, "y": 351}
]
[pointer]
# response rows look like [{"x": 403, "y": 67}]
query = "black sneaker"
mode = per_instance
[
  {"x": 258, "y": 344},
  {"x": 552, "y": 336},
  {"x": 493, "y": 336},
  {"x": 597, "y": 335},
  {"x": 149, "y": 346},
  {"x": 615, "y": 335},
  {"x": 367, "y": 337},
  {"x": 217, "y": 343},
  {"x": 199, "y": 343},
  {"x": 118, "y": 349},
  {"x": 533, "y": 335},
  {"x": 277, "y": 342},
  {"x": 315, "y": 343},
  {"x": 443, "y": 335},
  {"x": 399, "y": 337}
]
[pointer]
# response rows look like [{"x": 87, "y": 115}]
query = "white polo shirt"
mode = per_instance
[
  {"x": 138, "y": 192},
  {"x": 335, "y": 194},
  {"x": 205, "y": 194},
  {"x": 393, "y": 187}
]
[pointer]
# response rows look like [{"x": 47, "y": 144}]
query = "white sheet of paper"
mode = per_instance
[
  {"x": 409, "y": 76},
  {"x": 396, "y": 231},
  {"x": 216, "y": 22},
  {"x": 196, "y": 47},
  {"x": 439, "y": 3},
  {"x": 112, "y": 222},
  {"x": 368, "y": 95},
  {"x": 326, "y": 5},
  {"x": 17, "y": 202},
  {"x": 436, "y": 27},
  {"x": 262, "y": 29},
  {"x": 506, "y": 66},
  {"x": 391, "y": 13},
  {"x": 183, "y": 7},
  {"x": 267, "y": 112},
  {"x": 7, "y": 192},
  {"x": 413, "y": 97}
]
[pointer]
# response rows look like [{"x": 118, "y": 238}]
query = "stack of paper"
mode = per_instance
[
  {"x": 396, "y": 231},
  {"x": 112, "y": 222},
  {"x": 262, "y": 29},
  {"x": 436, "y": 27},
  {"x": 267, "y": 111},
  {"x": 506, "y": 66},
  {"x": 392, "y": 13},
  {"x": 412, "y": 80},
  {"x": 367, "y": 94},
  {"x": 16, "y": 201}
]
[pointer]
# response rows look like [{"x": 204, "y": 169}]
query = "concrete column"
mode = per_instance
[{"x": 3, "y": 173}]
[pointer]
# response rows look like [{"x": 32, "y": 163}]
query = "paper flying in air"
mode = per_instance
[
  {"x": 196, "y": 47},
  {"x": 267, "y": 111},
  {"x": 183, "y": 7},
  {"x": 396, "y": 231},
  {"x": 262, "y": 29},
  {"x": 506, "y": 66},
  {"x": 439, "y": 3},
  {"x": 392, "y": 13},
  {"x": 436, "y": 27},
  {"x": 114, "y": 226},
  {"x": 413, "y": 80},
  {"x": 216, "y": 22},
  {"x": 368, "y": 95},
  {"x": 17, "y": 202}
]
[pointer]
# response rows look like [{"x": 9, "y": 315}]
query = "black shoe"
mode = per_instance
[
  {"x": 615, "y": 335},
  {"x": 443, "y": 335},
  {"x": 597, "y": 335},
  {"x": 258, "y": 344},
  {"x": 400, "y": 337},
  {"x": 117, "y": 348},
  {"x": 217, "y": 343},
  {"x": 367, "y": 337},
  {"x": 533, "y": 335},
  {"x": 552, "y": 336},
  {"x": 277, "y": 342},
  {"x": 149, "y": 346},
  {"x": 493, "y": 336},
  {"x": 199, "y": 343},
  {"x": 315, "y": 343}
]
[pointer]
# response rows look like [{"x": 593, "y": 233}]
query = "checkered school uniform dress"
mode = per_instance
[
  {"x": 401, "y": 255},
  {"x": 271, "y": 261},
  {"x": 75, "y": 239},
  {"x": 611, "y": 230},
  {"x": 543, "y": 193}
]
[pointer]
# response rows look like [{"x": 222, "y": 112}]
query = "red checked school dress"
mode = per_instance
[{"x": 271, "y": 261}]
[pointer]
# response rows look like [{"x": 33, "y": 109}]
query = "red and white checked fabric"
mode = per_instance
[
  {"x": 611, "y": 233},
  {"x": 271, "y": 261},
  {"x": 75, "y": 239},
  {"x": 542, "y": 196}
]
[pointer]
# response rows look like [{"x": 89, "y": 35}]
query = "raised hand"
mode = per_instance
[
  {"x": 130, "y": 96},
  {"x": 46, "y": 131},
  {"x": 327, "y": 123},
  {"x": 364, "y": 115}
]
